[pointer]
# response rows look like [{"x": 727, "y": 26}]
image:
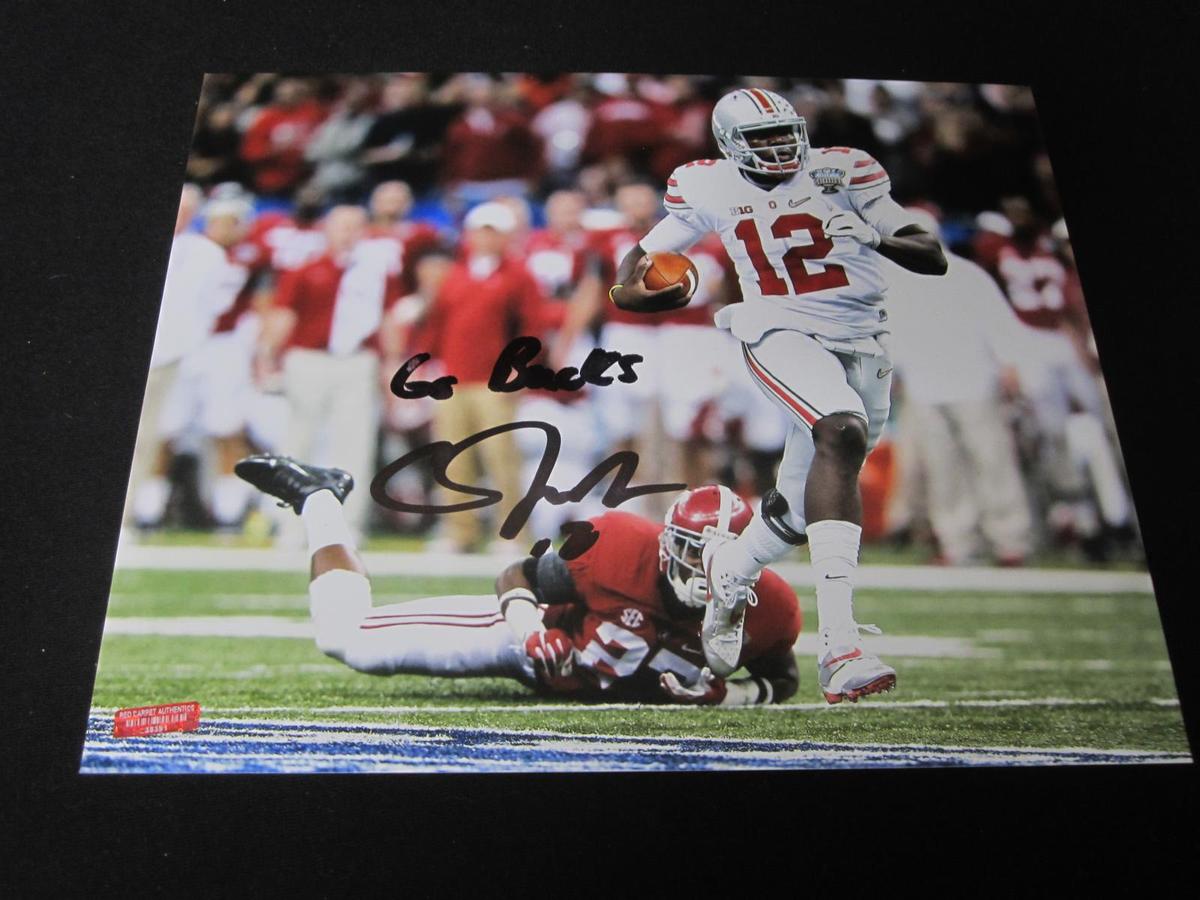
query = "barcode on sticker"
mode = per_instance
[{"x": 139, "y": 721}]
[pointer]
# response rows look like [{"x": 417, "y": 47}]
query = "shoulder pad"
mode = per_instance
[
  {"x": 845, "y": 167},
  {"x": 686, "y": 186}
]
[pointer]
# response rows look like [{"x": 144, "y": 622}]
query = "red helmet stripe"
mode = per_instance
[
  {"x": 763, "y": 99},
  {"x": 759, "y": 100}
]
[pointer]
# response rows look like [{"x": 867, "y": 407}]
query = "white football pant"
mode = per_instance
[
  {"x": 334, "y": 409},
  {"x": 457, "y": 636},
  {"x": 214, "y": 383},
  {"x": 810, "y": 378}
]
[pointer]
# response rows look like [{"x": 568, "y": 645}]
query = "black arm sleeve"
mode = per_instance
[{"x": 551, "y": 580}]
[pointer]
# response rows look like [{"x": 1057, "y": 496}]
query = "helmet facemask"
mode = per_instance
[
  {"x": 774, "y": 159},
  {"x": 679, "y": 552}
]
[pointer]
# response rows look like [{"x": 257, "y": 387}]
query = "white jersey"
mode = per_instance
[{"x": 791, "y": 274}]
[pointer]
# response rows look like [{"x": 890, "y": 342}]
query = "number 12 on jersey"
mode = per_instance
[{"x": 802, "y": 280}]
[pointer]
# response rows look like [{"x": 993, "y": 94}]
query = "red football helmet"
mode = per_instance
[{"x": 694, "y": 518}]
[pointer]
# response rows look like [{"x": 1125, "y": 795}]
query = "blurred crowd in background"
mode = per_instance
[{"x": 335, "y": 227}]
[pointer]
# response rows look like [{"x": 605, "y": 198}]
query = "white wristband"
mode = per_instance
[{"x": 521, "y": 612}]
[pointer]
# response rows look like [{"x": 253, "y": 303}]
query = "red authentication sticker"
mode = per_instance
[{"x": 142, "y": 720}]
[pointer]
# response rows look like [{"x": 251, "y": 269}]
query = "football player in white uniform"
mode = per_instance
[{"x": 805, "y": 229}]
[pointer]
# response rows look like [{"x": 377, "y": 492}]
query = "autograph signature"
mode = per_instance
[
  {"x": 581, "y": 536},
  {"x": 515, "y": 369}
]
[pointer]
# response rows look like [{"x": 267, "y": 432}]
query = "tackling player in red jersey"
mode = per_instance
[{"x": 619, "y": 622}]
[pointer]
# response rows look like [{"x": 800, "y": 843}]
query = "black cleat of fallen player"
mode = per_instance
[{"x": 292, "y": 481}]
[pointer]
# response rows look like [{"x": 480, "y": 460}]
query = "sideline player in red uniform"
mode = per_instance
[{"x": 619, "y": 622}]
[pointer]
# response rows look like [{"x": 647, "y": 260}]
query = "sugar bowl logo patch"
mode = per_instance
[
  {"x": 632, "y": 617},
  {"x": 828, "y": 178}
]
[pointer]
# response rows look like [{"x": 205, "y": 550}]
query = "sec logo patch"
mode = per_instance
[{"x": 632, "y": 617}]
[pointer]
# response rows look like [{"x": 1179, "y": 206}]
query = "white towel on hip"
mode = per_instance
[{"x": 358, "y": 309}]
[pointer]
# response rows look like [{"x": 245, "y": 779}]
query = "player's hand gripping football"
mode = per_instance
[
  {"x": 708, "y": 689},
  {"x": 633, "y": 293},
  {"x": 843, "y": 224},
  {"x": 551, "y": 653}
]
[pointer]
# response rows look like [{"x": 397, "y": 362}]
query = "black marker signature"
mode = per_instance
[
  {"x": 515, "y": 360},
  {"x": 438, "y": 389},
  {"x": 440, "y": 454},
  {"x": 580, "y": 536},
  {"x": 515, "y": 369}
]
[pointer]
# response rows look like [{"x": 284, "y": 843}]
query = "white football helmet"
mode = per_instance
[{"x": 739, "y": 114}]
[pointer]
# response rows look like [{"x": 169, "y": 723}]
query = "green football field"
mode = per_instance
[{"x": 975, "y": 670}]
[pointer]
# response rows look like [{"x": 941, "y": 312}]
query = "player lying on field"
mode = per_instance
[{"x": 621, "y": 622}]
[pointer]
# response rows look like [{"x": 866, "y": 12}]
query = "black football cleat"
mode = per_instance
[{"x": 291, "y": 481}]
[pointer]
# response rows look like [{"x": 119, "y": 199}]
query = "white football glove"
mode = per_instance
[
  {"x": 843, "y": 224},
  {"x": 707, "y": 690}
]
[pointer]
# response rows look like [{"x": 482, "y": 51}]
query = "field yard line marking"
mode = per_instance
[
  {"x": 778, "y": 707},
  {"x": 298, "y": 729},
  {"x": 930, "y": 578}
]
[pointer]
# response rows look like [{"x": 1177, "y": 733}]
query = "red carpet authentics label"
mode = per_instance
[{"x": 143, "y": 720}]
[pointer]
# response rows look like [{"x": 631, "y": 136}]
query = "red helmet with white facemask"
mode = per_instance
[{"x": 696, "y": 517}]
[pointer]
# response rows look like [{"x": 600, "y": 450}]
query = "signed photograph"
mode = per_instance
[{"x": 598, "y": 422}]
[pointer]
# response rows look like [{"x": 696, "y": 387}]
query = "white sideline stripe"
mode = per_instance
[
  {"x": 285, "y": 627},
  {"x": 927, "y": 578},
  {"x": 1055, "y": 702}
]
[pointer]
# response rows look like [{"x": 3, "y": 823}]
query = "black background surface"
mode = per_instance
[{"x": 98, "y": 103}]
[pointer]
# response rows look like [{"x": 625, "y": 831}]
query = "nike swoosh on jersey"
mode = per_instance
[
  {"x": 795, "y": 203},
  {"x": 883, "y": 373}
]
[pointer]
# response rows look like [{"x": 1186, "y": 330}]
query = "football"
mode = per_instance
[{"x": 667, "y": 269}]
